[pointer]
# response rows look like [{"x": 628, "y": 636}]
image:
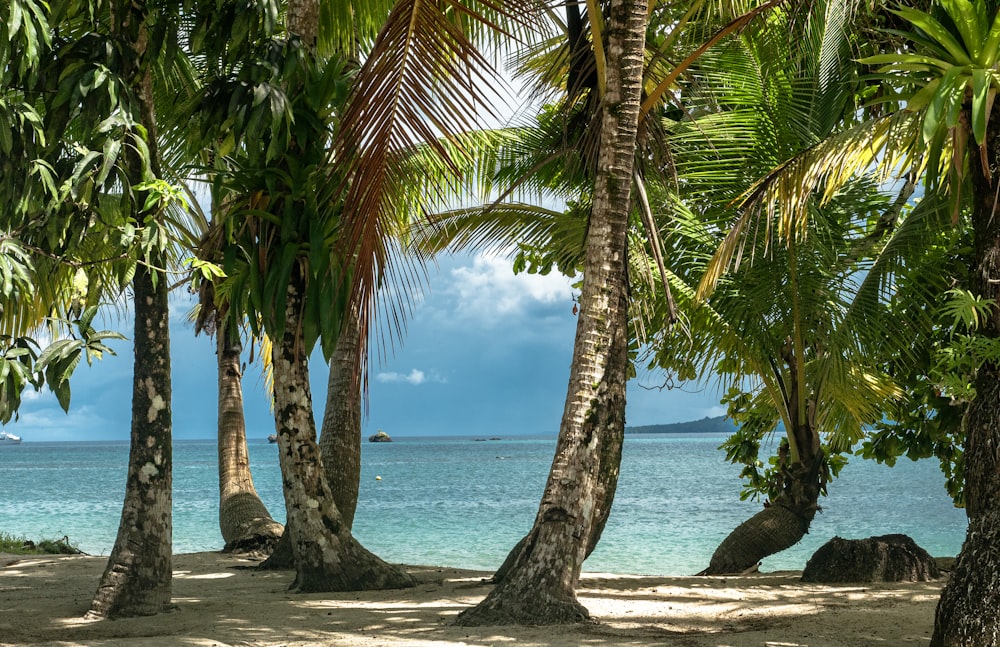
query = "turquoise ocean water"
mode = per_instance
[{"x": 464, "y": 503}]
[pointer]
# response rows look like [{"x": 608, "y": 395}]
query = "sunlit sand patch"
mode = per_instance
[{"x": 186, "y": 575}]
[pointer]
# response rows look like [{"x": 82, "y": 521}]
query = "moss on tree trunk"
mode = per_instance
[{"x": 137, "y": 578}]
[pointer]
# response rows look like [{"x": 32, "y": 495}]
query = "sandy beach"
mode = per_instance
[{"x": 222, "y": 601}]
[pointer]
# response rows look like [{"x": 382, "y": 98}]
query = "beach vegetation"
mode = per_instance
[
  {"x": 933, "y": 119},
  {"x": 785, "y": 320},
  {"x": 20, "y": 545}
]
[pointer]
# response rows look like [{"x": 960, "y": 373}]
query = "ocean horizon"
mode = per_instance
[{"x": 464, "y": 501}]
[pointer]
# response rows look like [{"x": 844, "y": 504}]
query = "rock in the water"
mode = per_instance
[
  {"x": 379, "y": 437},
  {"x": 889, "y": 558}
]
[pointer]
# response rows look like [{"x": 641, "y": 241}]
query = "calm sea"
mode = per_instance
[{"x": 462, "y": 502}]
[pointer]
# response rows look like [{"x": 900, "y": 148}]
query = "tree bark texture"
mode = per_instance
[
  {"x": 780, "y": 525},
  {"x": 244, "y": 520},
  {"x": 137, "y": 579},
  {"x": 327, "y": 556},
  {"x": 540, "y": 588},
  {"x": 968, "y": 614},
  {"x": 340, "y": 436}
]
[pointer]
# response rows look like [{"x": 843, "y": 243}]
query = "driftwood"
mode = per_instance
[{"x": 889, "y": 558}]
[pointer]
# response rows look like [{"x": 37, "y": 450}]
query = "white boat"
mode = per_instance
[{"x": 9, "y": 439}]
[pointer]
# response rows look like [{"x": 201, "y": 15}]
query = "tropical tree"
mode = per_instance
[
  {"x": 540, "y": 587},
  {"x": 85, "y": 153},
  {"x": 282, "y": 226},
  {"x": 790, "y": 330},
  {"x": 942, "y": 129},
  {"x": 244, "y": 520}
]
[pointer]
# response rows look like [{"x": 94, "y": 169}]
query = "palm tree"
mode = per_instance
[
  {"x": 789, "y": 332},
  {"x": 540, "y": 587},
  {"x": 942, "y": 129},
  {"x": 283, "y": 227}
]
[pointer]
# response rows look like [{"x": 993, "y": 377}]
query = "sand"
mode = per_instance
[{"x": 222, "y": 601}]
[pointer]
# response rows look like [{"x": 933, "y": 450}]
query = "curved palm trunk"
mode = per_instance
[
  {"x": 780, "y": 525},
  {"x": 244, "y": 521},
  {"x": 340, "y": 435},
  {"x": 968, "y": 614},
  {"x": 607, "y": 484},
  {"x": 327, "y": 557},
  {"x": 540, "y": 587},
  {"x": 137, "y": 578}
]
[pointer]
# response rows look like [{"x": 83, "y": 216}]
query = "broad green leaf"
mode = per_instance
[
  {"x": 937, "y": 31},
  {"x": 980, "y": 89},
  {"x": 963, "y": 14},
  {"x": 892, "y": 60},
  {"x": 940, "y": 106},
  {"x": 991, "y": 48},
  {"x": 921, "y": 99}
]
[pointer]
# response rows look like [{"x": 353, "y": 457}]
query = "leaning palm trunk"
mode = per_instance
[
  {"x": 607, "y": 484},
  {"x": 540, "y": 588},
  {"x": 780, "y": 525},
  {"x": 340, "y": 436},
  {"x": 968, "y": 614},
  {"x": 137, "y": 578},
  {"x": 327, "y": 557},
  {"x": 244, "y": 521}
]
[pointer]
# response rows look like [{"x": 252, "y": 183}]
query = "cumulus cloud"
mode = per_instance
[
  {"x": 489, "y": 290},
  {"x": 415, "y": 377}
]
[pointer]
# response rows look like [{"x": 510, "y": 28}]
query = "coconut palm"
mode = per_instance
[
  {"x": 789, "y": 332},
  {"x": 944, "y": 91},
  {"x": 288, "y": 265}
]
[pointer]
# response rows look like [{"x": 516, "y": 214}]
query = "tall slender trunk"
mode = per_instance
[
  {"x": 327, "y": 556},
  {"x": 340, "y": 436},
  {"x": 540, "y": 587},
  {"x": 137, "y": 579},
  {"x": 968, "y": 614},
  {"x": 244, "y": 520}
]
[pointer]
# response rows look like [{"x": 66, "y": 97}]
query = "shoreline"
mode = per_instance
[{"x": 222, "y": 601}]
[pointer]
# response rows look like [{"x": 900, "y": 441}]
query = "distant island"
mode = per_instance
[{"x": 717, "y": 425}]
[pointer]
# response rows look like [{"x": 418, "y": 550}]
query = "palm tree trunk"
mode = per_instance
[
  {"x": 244, "y": 521},
  {"x": 540, "y": 587},
  {"x": 340, "y": 436},
  {"x": 137, "y": 578},
  {"x": 327, "y": 557},
  {"x": 780, "y": 525},
  {"x": 607, "y": 484},
  {"x": 968, "y": 614}
]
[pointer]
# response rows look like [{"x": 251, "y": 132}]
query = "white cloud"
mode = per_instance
[
  {"x": 490, "y": 291},
  {"x": 415, "y": 377}
]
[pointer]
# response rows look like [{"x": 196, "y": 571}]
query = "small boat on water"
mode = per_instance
[
  {"x": 273, "y": 438},
  {"x": 9, "y": 439}
]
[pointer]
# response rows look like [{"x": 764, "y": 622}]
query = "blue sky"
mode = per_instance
[{"x": 486, "y": 353}]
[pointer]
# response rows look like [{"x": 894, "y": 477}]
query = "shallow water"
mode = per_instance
[{"x": 465, "y": 503}]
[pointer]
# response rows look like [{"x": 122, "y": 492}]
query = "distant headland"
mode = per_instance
[{"x": 716, "y": 425}]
